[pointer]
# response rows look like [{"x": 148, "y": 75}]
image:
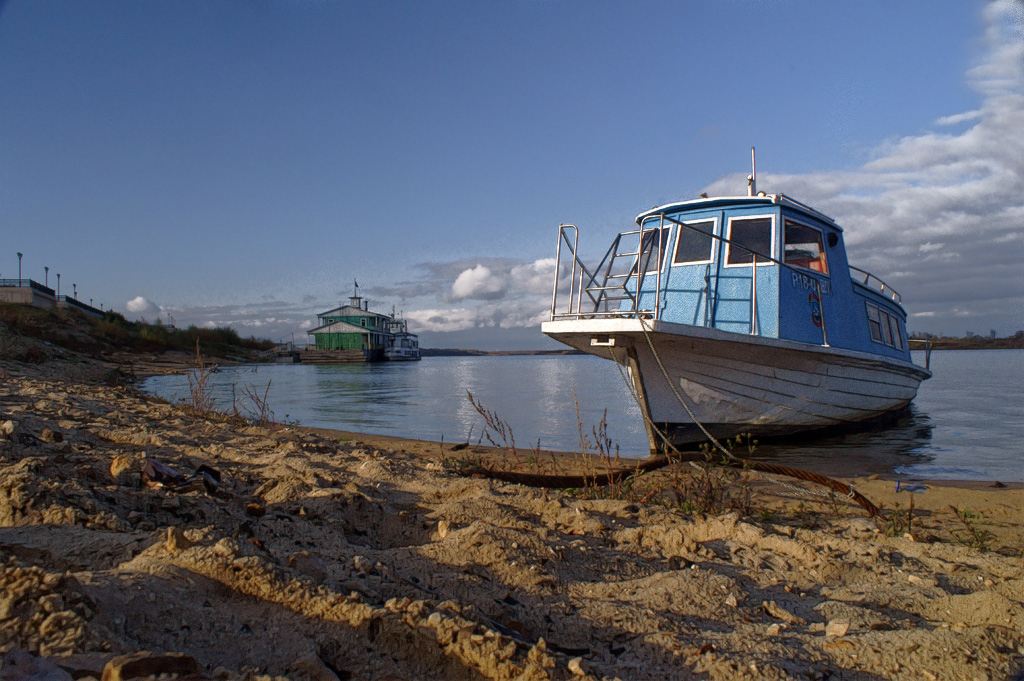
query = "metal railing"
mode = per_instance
[
  {"x": 601, "y": 294},
  {"x": 639, "y": 273},
  {"x": 80, "y": 305},
  {"x": 927, "y": 350},
  {"x": 27, "y": 283},
  {"x": 882, "y": 287}
]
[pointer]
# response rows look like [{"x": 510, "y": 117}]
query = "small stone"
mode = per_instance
[
  {"x": 576, "y": 666},
  {"x": 176, "y": 540},
  {"x": 731, "y": 601},
  {"x": 774, "y": 629},
  {"x": 928, "y": 675},
  {"x": 443, "y": 528},
  {"x": 9, "y": 429},
  {"x": 780, "y": 613},
  {"x": 49, "y": 435},
  {"x": 123, "y": 465},
  {"x": 837, "y": 629},
  {"x": 255, "y": 510}
]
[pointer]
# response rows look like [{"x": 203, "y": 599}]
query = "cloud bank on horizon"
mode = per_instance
[{"x": 938, "y": 215}]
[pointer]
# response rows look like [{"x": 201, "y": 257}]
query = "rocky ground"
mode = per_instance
[{"x": 128, "y": 524}]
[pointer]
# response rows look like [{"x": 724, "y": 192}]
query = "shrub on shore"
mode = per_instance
[{"x": 77, "y": 331}]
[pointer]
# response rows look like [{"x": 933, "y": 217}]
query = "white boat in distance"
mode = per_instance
[
  {"x": 737, "y": 315},
  {"x": 402, "y": 346}
]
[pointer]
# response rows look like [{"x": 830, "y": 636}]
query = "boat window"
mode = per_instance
[
  {"x": 803, "y": 248},
  {"x": 897, "y": 338},
  {"x": 694, "y": 246},
  {"x": 651, "y": 241},
  {"x": 884, "y": 327},
  {"x": 874, "y": 324},
  {"x": 746, "y": 235}
]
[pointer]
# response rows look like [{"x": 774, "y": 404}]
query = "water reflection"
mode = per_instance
[
  {"x": 884, "y": 447},
  {"x": 967, "y": 421}
]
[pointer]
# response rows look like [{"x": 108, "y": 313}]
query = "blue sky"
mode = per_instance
[{"x": 241, "y": 163}]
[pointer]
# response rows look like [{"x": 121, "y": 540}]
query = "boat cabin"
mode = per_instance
[{"x": 763, "y": 265}]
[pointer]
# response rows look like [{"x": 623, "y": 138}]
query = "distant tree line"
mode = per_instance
[{"x": 972, "y": 341}]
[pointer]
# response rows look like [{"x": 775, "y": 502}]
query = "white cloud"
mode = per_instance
[
  {"x": 959, "y": 118},
  {"x": 480, "y": 283},
  {"x": 535, "y": 277},
  {"x": 142, "y": 308},
  {"x": 458, "y": 319}
]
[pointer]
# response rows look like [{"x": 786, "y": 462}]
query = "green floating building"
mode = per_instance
[{"x": 351, "y": 333}]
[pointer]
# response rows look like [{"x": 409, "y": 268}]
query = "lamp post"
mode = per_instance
[
  {"x": 19, "y": 269},
  {"x": 47, "y": 276},
  {"x": 58, "y": 284},
  {"x": 74, "y": 289}
]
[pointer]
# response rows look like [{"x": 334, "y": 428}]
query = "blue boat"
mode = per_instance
[{"x": 732, "y": 315}]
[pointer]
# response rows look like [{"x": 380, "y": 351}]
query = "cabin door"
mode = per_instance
[{"x": 746, "y": 286}]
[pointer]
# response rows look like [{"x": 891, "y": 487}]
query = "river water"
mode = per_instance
[{"x": 967, "y": 422}]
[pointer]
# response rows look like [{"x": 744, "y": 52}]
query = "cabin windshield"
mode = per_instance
[
  {"x": 749, "y": 236},
  {"x": 694, "y": 243},
  {"x": 803, "y": 248}
]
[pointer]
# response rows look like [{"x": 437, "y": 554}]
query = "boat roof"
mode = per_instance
[
  {"x": 342, "y": 327},
  {"x": 353, "y": 312},
  {"x": 736, "y": 201}
]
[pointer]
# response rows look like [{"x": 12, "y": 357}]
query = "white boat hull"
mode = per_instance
[
  {"x": 733, "y": 383},
  {"x": 400, "y": 356}
]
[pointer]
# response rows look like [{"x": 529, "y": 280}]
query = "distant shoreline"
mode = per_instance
[
  {"x": 1015, "y": 342},
  {"x": 455, "y": 352}
]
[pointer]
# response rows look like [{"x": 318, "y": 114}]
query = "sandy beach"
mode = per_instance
[{"x": 128, "y": 524}]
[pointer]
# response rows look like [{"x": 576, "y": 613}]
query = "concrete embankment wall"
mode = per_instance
[{"x": 26, "y": 295}]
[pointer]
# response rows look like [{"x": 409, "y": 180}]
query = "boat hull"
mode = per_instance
[{"x": 733, "y": 384}]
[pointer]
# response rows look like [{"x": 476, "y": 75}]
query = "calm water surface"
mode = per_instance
[{"x": 966, "y": 423}]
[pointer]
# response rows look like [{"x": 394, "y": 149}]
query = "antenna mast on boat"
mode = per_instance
[{"x": 752, "y": 177}]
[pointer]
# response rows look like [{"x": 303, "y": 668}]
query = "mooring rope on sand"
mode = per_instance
[{"x": 548, "y": 481}]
